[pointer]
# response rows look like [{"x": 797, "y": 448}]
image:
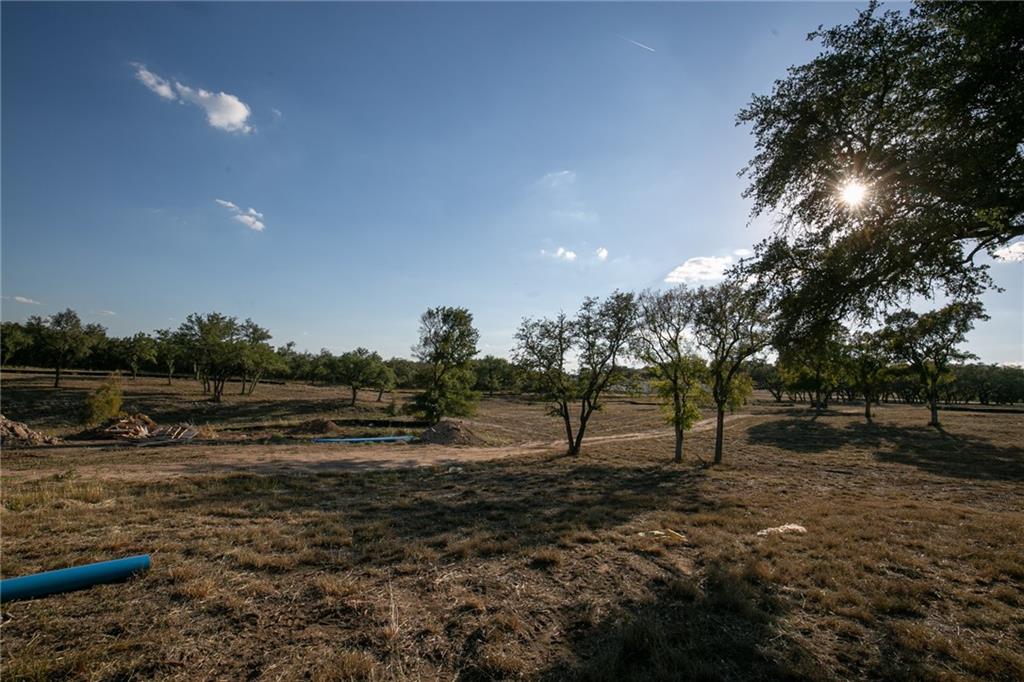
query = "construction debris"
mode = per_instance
[
  {"x": 787, "y": 528},
  {"x": 131, "y": 427},
  {"x": 17, "y": 433},
  {"x": 140, "y": 428}
]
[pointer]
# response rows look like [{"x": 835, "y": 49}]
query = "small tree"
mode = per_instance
[
  {"x": 868, "y": 361},
  {"x": 661, "y": 342},
  {"x": 447, "y": 345},
  {"x": 137, "y": 350},
  {"x": 358, "y": 368},
  {"x": 927, "y": 343},
  {"x": 13, "y": 338},
  {"x": 63, "y": 339},
  {"x": 169, "y": 350},
  {"x": 495, "y": 374},
  {"x": 730, "y": 326},
  {"x": 598, "y": 334},
  {"x": 105, "y": 402},
  {"x": 214, "y": 345},
  {"x": 384, "y": 380},
  {"x": 765, "y": 375}
]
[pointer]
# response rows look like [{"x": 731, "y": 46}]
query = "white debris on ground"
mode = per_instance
[{"x": 787, "y": 528}]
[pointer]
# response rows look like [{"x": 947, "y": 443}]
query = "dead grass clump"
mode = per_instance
[
  {"x": 247, "y": 558},
  {"x": 51, "y": 494},
  {"x": 326, "y": 585},
  {"x": 493, "y": 662},
  {"x": 546, "y": 558},
  {"x": 196, "y": 589},
  {"x": 479, "y": 544},
  {"x": 348, "y": 665}
]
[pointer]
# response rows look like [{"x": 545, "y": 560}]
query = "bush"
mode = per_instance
[{"x": 105, "y": 402}]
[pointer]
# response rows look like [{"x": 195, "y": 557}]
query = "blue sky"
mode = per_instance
[{"x": 511, "y": 158}]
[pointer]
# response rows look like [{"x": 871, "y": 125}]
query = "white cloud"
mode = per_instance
[
  {"x": 561, "y": 253},
  {"x": 108, "y": 313},
  {"x": 223, "y": 111},
  {"x": 250, "y": 222},
  {"x": 154, "y": 82},
  {"x": 1011, "y": 252},
  {"x": 558, "y": 179},
  {"x": 743, "y": 253},
  {"x": 250, "y": 218},
  {"x": 23, "y": 299},
  {"x": 602, "y": 254},
  {"x": 700, "y": 269}
]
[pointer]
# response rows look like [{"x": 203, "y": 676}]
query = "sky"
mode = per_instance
[{"x": 333, "y": 170}]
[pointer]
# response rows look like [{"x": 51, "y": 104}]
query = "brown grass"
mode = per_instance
[{"x": 535, "y": 567}]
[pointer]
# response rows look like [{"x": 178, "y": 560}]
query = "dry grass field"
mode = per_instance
[{"x": 276, "y": 559}]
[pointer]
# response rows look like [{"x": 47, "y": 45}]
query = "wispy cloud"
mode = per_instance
[
  {"x": 700, "y": 269},
  {"x": 561, "y": 253},
  {"x": 107, "y": 313},
  {"x": 558, "y": 179},
  {"x": 641, "y": 45},
  {"x": 154, "y": 82},
  {"x": 23, "y": 299},
  {"x": 250, "y": 218},
  {"x": 1011, "y": 252},
  {"x": 575, "y": 215},
  {"x": 223, "y": 111},
  {"x": 602, "y": 254},
  {"x": 743, "y": 253}
]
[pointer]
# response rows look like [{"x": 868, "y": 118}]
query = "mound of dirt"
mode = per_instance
[
  {"x": 449, "y": 432},
  {"x": 20, "y": 434},
  {"x": 318, "y": 426}
]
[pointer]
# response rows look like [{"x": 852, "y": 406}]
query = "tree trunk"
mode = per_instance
[
  {"x": 867, "y": 408},
  {"x": 354, "y": 392},
  {"x": 579, "y": 434},
  {"x": 933, "y": 403},
  {"x": 719, "y": 433},
  {"x": 380, "y": 395},
  {"x": 677, "y": 405},
  {"x": 170, "y": 372},
  {"x": 568, "y": 431},
  {"x": 56, "y": 377}
]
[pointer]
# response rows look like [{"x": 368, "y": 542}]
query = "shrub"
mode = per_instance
[{"x": 105, "y": 402}]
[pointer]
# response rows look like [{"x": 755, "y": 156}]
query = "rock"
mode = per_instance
[
  {"x": 21, "y": 434},
  {"x": 780, "y": 530}
]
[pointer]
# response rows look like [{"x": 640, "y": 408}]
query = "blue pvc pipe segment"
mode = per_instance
[
  {"x": 375, "y": 439},
  {"x": 67, "y": 579}
]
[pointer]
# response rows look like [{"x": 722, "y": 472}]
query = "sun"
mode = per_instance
[{"x": 853, "y": 193}]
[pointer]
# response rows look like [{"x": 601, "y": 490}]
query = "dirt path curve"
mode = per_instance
[{"x": 186, "y": 460}]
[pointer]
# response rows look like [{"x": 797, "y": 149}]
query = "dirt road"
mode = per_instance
[{"x": 151, "y": 463}]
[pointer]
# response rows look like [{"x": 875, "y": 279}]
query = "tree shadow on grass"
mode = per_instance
[
  {"x": 934, "y": 450},
  {"x": 483, "y": 509},
  {"x": 722, "y": 627}
]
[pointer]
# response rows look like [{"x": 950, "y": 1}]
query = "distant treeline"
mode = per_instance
[
  {"x": 962, "y": 384},
  {"x": 215, "y": 348}
]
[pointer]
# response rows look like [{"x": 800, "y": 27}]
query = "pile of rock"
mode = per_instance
[{"x": 17, "y": 433}]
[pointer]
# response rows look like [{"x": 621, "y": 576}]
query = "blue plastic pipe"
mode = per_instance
[
  {"x": 67, "y": 579},
  {"x": 375, "y": 439}
]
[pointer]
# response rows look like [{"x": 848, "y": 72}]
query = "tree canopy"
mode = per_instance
[{"x": 923, "y": 114}]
